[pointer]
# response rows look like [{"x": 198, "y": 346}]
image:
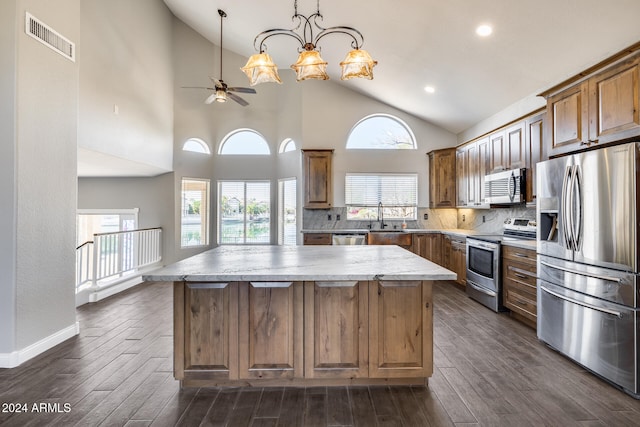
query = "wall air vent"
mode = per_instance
[{"x": 49, "y": 37}]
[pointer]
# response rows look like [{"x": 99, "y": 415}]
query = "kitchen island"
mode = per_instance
[{"x": 302, "y": 315}]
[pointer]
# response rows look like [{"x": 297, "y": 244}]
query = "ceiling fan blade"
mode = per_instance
[
  {"x": 197, "y": 87},
  {"x": 217, "y": 83},
  {"x": 237, "y": 99},
  {"x": 210, "y": 99},
  {"x": 241, "y": 89}
]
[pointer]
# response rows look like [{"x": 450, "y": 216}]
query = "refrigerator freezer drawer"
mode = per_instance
[
  {"x": 598, "y": 335},
  {"x": 611, "y": 285}
]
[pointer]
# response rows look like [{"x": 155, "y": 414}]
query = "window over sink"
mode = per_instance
[{"x": 398, "y": 194}]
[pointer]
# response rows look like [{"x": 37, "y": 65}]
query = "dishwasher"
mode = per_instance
[{"x": 349, "y": 239}]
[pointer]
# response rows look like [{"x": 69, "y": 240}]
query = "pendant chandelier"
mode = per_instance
[{"x": 261, "y": 69}]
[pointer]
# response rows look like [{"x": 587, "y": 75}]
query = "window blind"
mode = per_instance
[{"x": 368, "y": 190}]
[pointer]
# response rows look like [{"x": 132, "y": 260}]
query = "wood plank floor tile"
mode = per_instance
[{"x": 489, "y": 370}]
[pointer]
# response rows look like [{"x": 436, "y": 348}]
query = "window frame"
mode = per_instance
[
  {"x": 287, "y": 142},
  {"x": 402, "y": 123},
  {"x": 205, "y": 149},
  {"x": 228, "y": 137},
  {"x": 219, "y": 213},
  {"x": 281, "y": 210},
  {"x": 388, "y": 209},
  {"x": 204, "y": 222}
]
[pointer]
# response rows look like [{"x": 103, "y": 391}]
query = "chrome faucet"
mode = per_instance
[{"x": 381, "y": 216}]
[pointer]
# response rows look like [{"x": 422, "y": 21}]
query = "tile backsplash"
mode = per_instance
[{"x": 485, "y": 220}]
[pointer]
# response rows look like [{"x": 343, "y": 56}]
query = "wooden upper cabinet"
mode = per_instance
[
  {"x": 442, "y": 178},
  {"x": 515, "y": 146},
  {"x": 484, "y": 165},
  {"x": 535, "y": 152},
  {"x": 318, "y": 182},
  {"x": 601, "y": 109},
  {"x": 567, "y": 113},
  {"x": 461, "y": 177},
  {"x": 497, "y": 144},
  {"x": 614, "y": 97}
]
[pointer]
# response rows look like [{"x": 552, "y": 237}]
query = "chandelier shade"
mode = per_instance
[
  {"x": 358, "y": 64},
  {"x": 308, "y": 32},
  {"x": 261, "y": 69},
  {"x": 310, "y": 65}
]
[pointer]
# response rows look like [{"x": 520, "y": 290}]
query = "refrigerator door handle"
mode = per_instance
[
  {"x": 583, "y": 304},
  {"x": 565, "y": 208},
  {"x": 583, "y": 273},
  {"x": 577, "y": 187}
]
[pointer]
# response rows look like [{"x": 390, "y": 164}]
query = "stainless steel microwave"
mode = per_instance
[{"x": 507, "y": 187}]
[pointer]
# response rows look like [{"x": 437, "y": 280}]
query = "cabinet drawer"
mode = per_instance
[
  {"x": 522, "y": 273},
  {"x": 520, "y": 255},
  {"x": 520, "y": 303},
  {"x": 317, "y": 238}
]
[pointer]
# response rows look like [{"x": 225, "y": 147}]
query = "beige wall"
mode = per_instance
[
  {"x": 8, "y": 236},
  {"x": 126, "y": 62},
  {"x": 46, "y": 112}
]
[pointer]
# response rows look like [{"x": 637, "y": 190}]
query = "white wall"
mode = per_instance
[
  {"x": 8, "y": 29},
  {"x": 330, "y": 111},
  {"x": 126, "y": 61},
  {"x": 46, "y": 128},
  {"x": 152, "y": 195}
]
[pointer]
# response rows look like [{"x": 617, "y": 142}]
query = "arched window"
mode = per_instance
[
  {"x": 381, "y": 132},
  {"x": 286, "y": 145},
  {"x": 244, "y": 141},
  {"x": 196, "y": 145}
]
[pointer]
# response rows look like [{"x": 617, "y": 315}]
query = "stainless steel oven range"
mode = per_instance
[
  {"x": 484, "y": 267},
  {"x": 483, "y": 271}
]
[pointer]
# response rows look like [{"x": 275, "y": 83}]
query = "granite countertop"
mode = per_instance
[
  {"x": 455, "y": 231},
  {"x": 296, "y": 263}
]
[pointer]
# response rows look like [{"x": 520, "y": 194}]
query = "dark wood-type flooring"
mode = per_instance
[{"x": 489, "y": 370}]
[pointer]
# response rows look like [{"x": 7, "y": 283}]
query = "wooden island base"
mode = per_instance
[{"x": 303, "y": 333}]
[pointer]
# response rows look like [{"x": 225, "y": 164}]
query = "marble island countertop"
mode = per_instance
[{"x": 297, "y": 263}]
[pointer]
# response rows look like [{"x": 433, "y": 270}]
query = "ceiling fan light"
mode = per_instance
[
  {"x": 310, "y": 66},
  {"x": 261, "y": 69},
  {"x": 221, "y": 95},
  {"x": 358, "y": 64}
]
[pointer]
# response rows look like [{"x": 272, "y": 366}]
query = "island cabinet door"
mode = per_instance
[
  {"x": 336, "y": 329},
  {"x": 270, "y": 330},
  {"x": 205, "y": 331},
  {"x": 401, "y": 329}
]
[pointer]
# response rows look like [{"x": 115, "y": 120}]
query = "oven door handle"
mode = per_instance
[
  {"x": 583, "y": 273},
  {"x": 479, "y": 289},
  {"x": 583, "y": 304}
]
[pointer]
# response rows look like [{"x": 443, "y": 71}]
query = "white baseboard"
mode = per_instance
[{"x": 16, "y": 358}]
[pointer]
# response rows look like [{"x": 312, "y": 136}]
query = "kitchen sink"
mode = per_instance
[{"x": 389, "y": 237}]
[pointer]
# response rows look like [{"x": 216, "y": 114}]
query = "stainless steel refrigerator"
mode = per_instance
[{"x": 588, "y": 269}]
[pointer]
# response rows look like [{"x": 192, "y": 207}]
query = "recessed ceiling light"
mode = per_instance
[
  {"x": 484, "y": 30},
  {"x": 429, "y": 89}
]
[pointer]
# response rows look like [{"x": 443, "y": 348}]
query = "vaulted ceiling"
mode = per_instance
[{"x": 534, "y": 45}]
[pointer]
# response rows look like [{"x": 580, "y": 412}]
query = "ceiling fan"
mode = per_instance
[{"x": 221, "y": 91}]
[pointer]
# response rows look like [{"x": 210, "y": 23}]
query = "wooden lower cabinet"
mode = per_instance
[
  {"x": 316, "y": 239},
  {"x": 428, "y": 246},
  {"x": 269, "y": 334},
  {"x": 205, "y": 331},
  {"x": 336, "y": 329},
  {"x": 401, "y": 329},
  {"x": 519, "y": 281},
  {"x": 287, "y": 333}
]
